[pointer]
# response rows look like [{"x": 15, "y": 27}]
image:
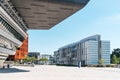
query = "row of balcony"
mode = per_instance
[
  {"x": 5, "y": 50},
  {"x": 11, "y": 10},
  {"x": 12, "y": 39}
]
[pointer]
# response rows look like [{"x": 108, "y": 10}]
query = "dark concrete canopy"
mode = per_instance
[{"x": 44, "y": 14}]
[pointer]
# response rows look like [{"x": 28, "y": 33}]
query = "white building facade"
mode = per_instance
[
  {"x": 88, "y": 51},
  {"x": 12, "y": 30}
]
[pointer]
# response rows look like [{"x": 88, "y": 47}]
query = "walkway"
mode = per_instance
[{"x": 44, "y": 72}]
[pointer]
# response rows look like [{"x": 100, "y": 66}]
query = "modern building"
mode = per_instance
[
  {"x": 49, "y": 58},
  {"x": 13, "y": 36},
  {"x": 35, "y": 55},
  {"x": 41, "y": 59},
  {"x": 88, "y": 51},
  {"x": 17, "y": 16}
]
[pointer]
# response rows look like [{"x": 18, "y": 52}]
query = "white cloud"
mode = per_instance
[{"x": 112, "y": 20}]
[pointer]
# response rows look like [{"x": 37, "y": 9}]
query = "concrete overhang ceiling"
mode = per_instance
[{"x": 44, "y": 14}]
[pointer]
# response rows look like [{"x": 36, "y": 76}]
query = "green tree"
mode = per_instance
[
  {"x": 33, "y": 59},
  {"x": 114, "y": 59},
  {"x": 29, "y": 59},
  {"x": 116, "y": 52},
  {"x": 44, "y": 59},
  {"x": 101, "y": 61}
]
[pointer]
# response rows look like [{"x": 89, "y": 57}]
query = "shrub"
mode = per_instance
[{"x": 100, "y": 65}]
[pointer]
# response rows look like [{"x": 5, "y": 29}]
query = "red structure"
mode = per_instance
[{"x": 21, "y": 52}]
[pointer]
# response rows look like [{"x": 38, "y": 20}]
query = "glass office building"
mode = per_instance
[
  {"x": 87, "y": 51},
  {"x": 105, "y": 49}
]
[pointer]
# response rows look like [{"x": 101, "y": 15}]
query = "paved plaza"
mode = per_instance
[{"x": 47, "y": 72}]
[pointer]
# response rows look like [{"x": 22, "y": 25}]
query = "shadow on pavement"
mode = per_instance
[{"x": 12, "y": 70}]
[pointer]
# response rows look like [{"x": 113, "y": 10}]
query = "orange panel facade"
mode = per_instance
[{"x": 22, "y": 52}]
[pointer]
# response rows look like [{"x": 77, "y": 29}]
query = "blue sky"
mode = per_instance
[{"x": 97, "y": 17}]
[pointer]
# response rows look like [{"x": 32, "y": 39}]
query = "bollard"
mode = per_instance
[{"x": 79, "y": 64}]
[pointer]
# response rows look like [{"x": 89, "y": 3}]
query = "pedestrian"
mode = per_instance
[
  {"x": 8, "y": 65},
  {"x": 3, "y": 66}
]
